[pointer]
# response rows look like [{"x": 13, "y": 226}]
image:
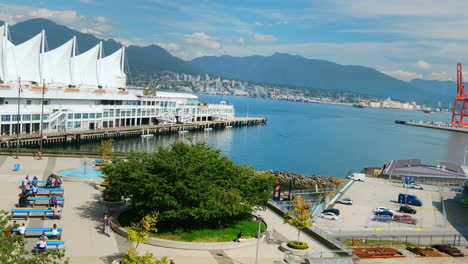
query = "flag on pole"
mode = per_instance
[{"x": 19, "y": 83}]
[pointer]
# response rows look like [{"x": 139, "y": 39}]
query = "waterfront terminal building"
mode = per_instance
[{"x": 66, "y": 91}]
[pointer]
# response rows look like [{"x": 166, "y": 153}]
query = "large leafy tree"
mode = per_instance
[{"x": 189, "y": 184}]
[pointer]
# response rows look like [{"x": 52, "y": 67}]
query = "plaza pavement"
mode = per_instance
[{"x": 82, "y": 216}]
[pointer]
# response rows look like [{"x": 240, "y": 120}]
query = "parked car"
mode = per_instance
[
  {"x": 331, "y": 210},
  {"x": 405, "y": 219},
  {"x": 409, "y": 199},
  {"x": 407, "y": 209},
  {"x": 380, "y": 209},
  {"x": 457, "y": 189},
  {"x": 416, "y": 186},
  {"x": 389, "y": 213},
  {"x": 329, "y": 216},
  {"x": 345, "y": 201},
  {"x": 382, "y": 218}
]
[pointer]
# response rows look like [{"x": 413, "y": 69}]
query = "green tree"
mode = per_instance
[
  {"x": 138, "y": 233},
  {"x": 12, "y": 249},
  {"x": 299, "y": 215},
  {"x": 189, "y": 184},
  {"x": 105, "y": 148}
]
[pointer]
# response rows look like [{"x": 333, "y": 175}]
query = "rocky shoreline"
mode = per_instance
[{"x": 306, "y": 181}]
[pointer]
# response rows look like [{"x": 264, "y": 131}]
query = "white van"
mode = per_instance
[{"x": 357, "y": 176}]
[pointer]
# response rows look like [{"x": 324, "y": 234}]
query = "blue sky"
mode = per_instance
[{"x": 404, "y": 38}]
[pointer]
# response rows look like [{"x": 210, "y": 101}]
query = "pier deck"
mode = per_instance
[
  {"x": 434, "y": 126},
  {"x": 32, "y": 140}
]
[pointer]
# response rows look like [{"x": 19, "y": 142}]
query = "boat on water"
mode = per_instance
[
  {"x": 208, "y": 129},
  {"x": 181, "y": 132},
  {"x": 429, "y": 111},
  {"x": 360, "y": 105},
  {"x": 147, "y": 136},
  {"x": 66, "y": 91}
]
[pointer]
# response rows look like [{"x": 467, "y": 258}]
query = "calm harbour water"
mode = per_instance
[{"x": 319, "y": 139}]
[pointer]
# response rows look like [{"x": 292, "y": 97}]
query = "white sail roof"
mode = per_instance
[
  {"x": 57, "y": 64},
  {"x": 23, "y": 60},
  {"x": 110, "y": 71},
  {"x": 84, "y": 67},
  {"x": 2, "y": 33}
]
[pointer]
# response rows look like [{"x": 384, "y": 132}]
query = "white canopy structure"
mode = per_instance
[
  {"x": 110, "y": 70},
  {"x": 59, "y": 66},
  {"x": 85, "y": 67}
]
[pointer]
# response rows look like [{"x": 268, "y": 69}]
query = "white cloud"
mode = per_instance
[
  {"x": 202, "y": 40},
  {"x": 87, "y": 1},
  {"x": 403, "y": 75},
  {"x": 264, "y": 38},
  {"x": 96, "y": 25},
  {"x": 442, "y": 76},
  {"x": 423, "y": 65}
]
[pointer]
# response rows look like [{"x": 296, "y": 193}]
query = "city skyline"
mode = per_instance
[{"x": 421, "y": 39}]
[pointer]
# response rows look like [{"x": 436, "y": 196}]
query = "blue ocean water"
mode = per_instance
[{"x": 320, "y": 139}]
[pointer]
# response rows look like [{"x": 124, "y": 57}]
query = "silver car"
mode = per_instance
[{"x": 345, "y": 201}]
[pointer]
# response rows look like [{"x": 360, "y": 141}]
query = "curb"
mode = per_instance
[{"x": 184, "y": 245}]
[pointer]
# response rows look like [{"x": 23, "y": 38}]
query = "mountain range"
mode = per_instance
[{"x": 283, "y": 69}]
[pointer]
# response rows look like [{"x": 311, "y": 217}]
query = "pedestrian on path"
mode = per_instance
[
  {"x": 171, "y": 261},
  {"x": 107, "y": 224},
  {"x": 39, "y": 155}
]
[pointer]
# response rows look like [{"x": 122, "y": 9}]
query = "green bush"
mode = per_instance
[{"x": 298, "y": 245}]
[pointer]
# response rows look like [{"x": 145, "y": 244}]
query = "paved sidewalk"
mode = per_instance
[{"x": 82, "y": 216}]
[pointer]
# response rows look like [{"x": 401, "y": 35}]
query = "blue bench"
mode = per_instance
[
  {"x": 43, "y": 229},
  {"x": 56, "y": 191},
  {"x": 26, "y": 213},
  {"x": 32, "y": 201},
  {"x": 50, "y": 243}
]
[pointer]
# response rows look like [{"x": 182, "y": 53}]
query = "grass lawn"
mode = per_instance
[{"x": 248, "y": 227}]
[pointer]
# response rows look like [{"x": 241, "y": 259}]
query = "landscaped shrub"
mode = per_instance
[{"x": 298, "y": 245}]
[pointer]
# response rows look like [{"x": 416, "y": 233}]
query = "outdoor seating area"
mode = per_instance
[{"x": 47, "y": 197}]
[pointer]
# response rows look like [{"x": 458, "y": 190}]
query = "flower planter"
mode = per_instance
[
  {"x": 5, "y": 86},
  {"x": 72, "y": 90},
  {"x": 123, "y": 92},
  {"x": 39, "y": 88},
  {"x": 295, "y": 252},
  {"x": 111, "y": 204},
  {"x": 99, "y": 91}
]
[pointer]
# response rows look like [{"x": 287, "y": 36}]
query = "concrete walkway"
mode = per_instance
[{"x": 82, "y": 216}]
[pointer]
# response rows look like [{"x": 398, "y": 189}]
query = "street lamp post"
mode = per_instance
[{"x": 259, "y": 219}]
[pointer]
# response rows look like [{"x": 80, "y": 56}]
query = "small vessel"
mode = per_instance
[
  {"x": 147, "y": 136},
  {"x": 228, "y": 126},
  {"x": 360, "y": 105},
  {"x": 183, "y": 131},
  {"x": 429, "y": 112},
  {"x": 208, "y": 128}
]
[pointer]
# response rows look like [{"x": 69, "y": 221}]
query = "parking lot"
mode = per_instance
[{"x": 374, "y": 193}]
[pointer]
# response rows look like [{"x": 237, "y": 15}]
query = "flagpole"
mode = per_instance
[
  {"x": 18, "y": 117},
  {"x": 42, "y": 116},
  {"x": 464, "y": 157}
]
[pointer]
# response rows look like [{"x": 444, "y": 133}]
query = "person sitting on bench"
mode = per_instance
[
  {"x": 41, "y": 244},
  {"x": 34, "y": 190},
  {"x": 43, "y": 236},
  {"x": 50, "y": 182},
  {"x": 56, "y": 183},
  {"x": 23, "y": 201},
  {"x": 34, "y": 181},
  {"x": 53, "y": 200},
  {"x": 21, "y": 229},
  {"x": 56, "y": 211},
  {"x": 55, "y": 230}
]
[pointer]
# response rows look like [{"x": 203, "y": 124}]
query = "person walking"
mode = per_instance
[{"x": 107, "y": 223}]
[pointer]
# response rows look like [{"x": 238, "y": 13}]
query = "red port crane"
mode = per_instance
[{"x": 461, "y": 101}]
